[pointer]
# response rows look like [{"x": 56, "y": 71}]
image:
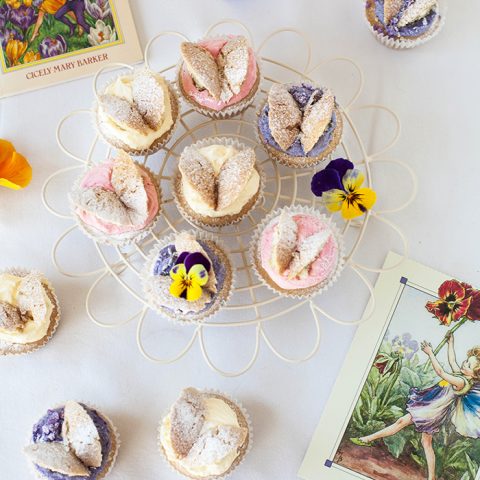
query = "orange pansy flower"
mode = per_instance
[{"x": 15, "y": 171}]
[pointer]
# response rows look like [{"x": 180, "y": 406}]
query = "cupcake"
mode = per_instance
[
  {"x": 205, "y": 435},
  {"x": 187, "y": 277},
  {"x": 300, "y": 124},
  {"x": 218, "y": 77},
  {"x": 403, "y": 23},
  {"x": 116, "y": 202},
  {"x": 137, "y": 113},
  {"x": 297, "y": 252},
  {"x": 29, "y": 311},
  {"x": 73, "y": 441},
  {"x": 218, "y": 182}
]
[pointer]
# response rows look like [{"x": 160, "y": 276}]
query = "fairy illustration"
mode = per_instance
[
  {"x": 61, "y": 10},
  {"x": 455, "y": 399}
]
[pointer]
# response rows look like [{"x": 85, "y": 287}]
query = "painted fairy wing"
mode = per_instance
[{"x": 466, "y": 416}]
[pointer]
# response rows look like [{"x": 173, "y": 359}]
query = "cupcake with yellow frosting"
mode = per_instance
[
  {"x": 205, "y": 435},
  {"x": 29, "y": 311},
  {"x": 218, "y": 182},
  {"x": 137, "y": 113}
]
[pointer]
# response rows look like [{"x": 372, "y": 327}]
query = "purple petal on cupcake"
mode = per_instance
[
  {"x": 325, "y": 180},
  {"x": 197, "y": 258},
  {"x": 166, "y": 259},
  {"x": 341, "y": 165},
  {"x": 181, "y": 258}
]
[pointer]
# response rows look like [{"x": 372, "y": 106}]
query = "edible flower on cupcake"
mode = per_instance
[
  {"x": 340, "y": 186},
  {"x": 189, "y": 275},
  {"x": 15, "y": 171}
]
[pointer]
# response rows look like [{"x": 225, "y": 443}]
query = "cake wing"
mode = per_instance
[
  {"x": 31, "y": 296},
  {"x": 128, "y": 183},
  {"x": 284, "y": 242},
  {"x": 307, "y": 252},
  {"x": 233, "y": 65},
  {"x": 81, "y": 435},
  {"x": 124, "y": 113},
  {"x": 217, "y": 443},
  {"x": 415, "y": 11},
  {"x": 202, "y": 67},
  {"x": 233, "y": 177},
  {"x": 316, "y": 118},
  {"x": 10, "y": 317},
  {"x": 391, "y": 8},
  {"x": 187, "y": 420},
  {"x": 149, "y": 97},
  {"x": 198, "y": 172},
  {"x": 284, "y": 116},
  {"x": 56, "y": 457},
  {"x": 104, "y": 204}
]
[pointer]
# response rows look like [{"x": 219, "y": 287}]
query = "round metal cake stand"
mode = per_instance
[{"x": 251, "y": 304}]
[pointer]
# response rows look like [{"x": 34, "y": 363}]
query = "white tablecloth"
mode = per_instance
[{"x": 434, "y": 89}]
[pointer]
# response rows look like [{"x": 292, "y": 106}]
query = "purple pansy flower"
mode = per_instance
[
  {"x": 23, "y": 17},
  {"x": 98, "y": 9},
  {"x": 331, "y": 177},
  {"x": 405, "y": 345},
  {"x": 51, "y": 47},
  {"x": 191, "y": 259},
  {"x": 7, "y": 34}
]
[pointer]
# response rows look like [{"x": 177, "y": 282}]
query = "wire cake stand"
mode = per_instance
[{"x": 252, "y": 304}]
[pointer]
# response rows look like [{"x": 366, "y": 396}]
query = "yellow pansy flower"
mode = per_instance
[{"x": 188, "y": 284}]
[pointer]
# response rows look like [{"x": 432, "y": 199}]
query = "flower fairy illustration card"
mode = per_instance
[
  {"x": 406, "y": 405},
  {"x": 44, "y": 42}
]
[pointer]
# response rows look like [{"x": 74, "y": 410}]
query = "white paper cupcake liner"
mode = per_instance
[
  {"x": 7, "y": 348},
  {"x": 114, "y": 434},
  {"x": 238, "y": 462},
  {"x": 304, "y": 293},
  {"x": 403, "y": 43},
  {"x": 301, "y": 162},
  {"x": 228, "y": 219},
  {"x": 223, "y": 297},
  {"x": 226, "y": 112},
  {"x": 157, "y": 144},
  {"x": 122, "y": 239}
]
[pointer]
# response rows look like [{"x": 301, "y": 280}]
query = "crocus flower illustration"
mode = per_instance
[
  {"x": 15, "y": 171},
  {"x": 51, "y": 47},
  {"x": 14, "y": 50},
  {"x": 189, "y": 275},
  {"x": 405, "y": 345},
  {"x": 98, "y": 9},
  {"x": 4, "y": 15},
  {"x": 14, "y": 3},
  {"x": 453, "y": 303},
  {"x": 340, "y": 186},
  {"x": 9, "y": 34},
  {"x": 30, "y": 57},
  {"x": 23, "y": 17},
  {"x": 101, "y": 34}
]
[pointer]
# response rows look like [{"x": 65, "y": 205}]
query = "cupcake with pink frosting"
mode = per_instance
[
  {"x": 116, "y": 202},
  {"x": 297, "y": 252},
  {"x": 219, "y": 76}
]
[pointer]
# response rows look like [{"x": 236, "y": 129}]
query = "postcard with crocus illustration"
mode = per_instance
[
  {"x": 406, "y": 405},
  {"x": 50, "y": 41}
]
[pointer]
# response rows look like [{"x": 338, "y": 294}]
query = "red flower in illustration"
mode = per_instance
[
  {"x": 453, "y": 303},
  {"x": 473, "y": 312}
]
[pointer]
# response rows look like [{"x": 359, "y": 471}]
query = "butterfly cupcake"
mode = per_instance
[
  {"x": 218, "y": 182},
  {"x": 72, "y": 441},
  {"x": 219, "y": 76},
  {"x": 137, "y": 113},
  {"x": 116, "y": 202},
  {"x": 29, "y": 311},
  {"x": 404, "y": 23},
  {"x": 299, "y": 125},
  {"x": 297, "y": 252},
  {"x": 205, "y": 435},
  {"x": 187, "y": 277}
]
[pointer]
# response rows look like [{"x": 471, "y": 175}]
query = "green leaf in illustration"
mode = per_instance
[{"x": 396, "y": 444}]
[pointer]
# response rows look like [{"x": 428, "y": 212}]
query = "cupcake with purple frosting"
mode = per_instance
[
  {"x": 73, "y": 442},
  {"x": 300, "y": 124},
  {"x": 187, "y": 277},
  {"x": 403, "y": 23}
]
